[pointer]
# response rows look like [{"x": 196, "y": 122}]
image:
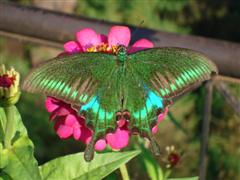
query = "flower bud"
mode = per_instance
[
  {"x": 173, "y": 157},
  {"x": 9, "y": 86}
]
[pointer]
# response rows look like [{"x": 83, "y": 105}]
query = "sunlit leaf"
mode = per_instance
[
  {"x": 2, "y": 124},
  {"x": 17, "y": 125},
  {"x": 20, "y": 129},
  {"x": 19, "y": 160},
  {"x": 75, "y": 167},
  {"x": 3, "y": 157},
  {"x": 186, "y": 178},
  {"x": 153, "y": 169}
]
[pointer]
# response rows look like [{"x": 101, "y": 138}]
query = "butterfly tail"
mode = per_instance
[
  {"x": 154, "y": 144},
  {"x": 89, "y": 151}
]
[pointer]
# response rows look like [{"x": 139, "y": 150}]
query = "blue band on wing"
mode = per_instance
[
  {"x": 153, "y": 101},
  {"x": 94, "y": 105}
]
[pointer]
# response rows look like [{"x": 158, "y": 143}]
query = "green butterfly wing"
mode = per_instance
[
  {"x": 89, "y": 81},
  {"x": 101, "y": 86},
  {"x": 73, "y": 78},
  {"x": 171, "y": 71}
]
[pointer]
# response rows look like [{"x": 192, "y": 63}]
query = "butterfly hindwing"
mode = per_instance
[{"x": 141, "y": 101}]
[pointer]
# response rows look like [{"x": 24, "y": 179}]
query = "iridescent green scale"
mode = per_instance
[{"x": 103, "y": 84}]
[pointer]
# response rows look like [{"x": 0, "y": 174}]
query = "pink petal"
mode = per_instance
[
  {"x": 161, "y": 117},
  {"x": 86, "y": 135},
  {"x": 100, "y": 145},
  {"x": 155, "y": 129},
  {"x": 121, "y": 122},
  {"x": 62, "y": 111},
  {"x": 88, "y": 38},
  {"x": 119, "y": 35},
  {"x": 166, "y": 110},
  {"x": 52, "y": 116},
  {"x": 140, "y": 45},
  {"x": 81, "y": 121},
  {"x": 70, "y": 120},
  {"x": 64, "y": 131},
  {"x": 72, "y": 47},
  {"x": 59, "y": 122},
  {"x": 51, "y": 104},
  {"x": 119, "y": 139},
  {"x": 103, "y": 38},
  {"x": 76, "y": 133}
]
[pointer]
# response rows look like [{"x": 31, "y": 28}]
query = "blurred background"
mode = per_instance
[{"x": 210, "y": 18}]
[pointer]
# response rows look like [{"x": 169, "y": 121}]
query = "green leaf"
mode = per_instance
[
  {"x": 3, "y": 158},
  {"x": 16, "y": 158},
  {"x": 4, "y": 176},
  {"x": 153, "y": 169},
  {"x": 2, "y": 124},
  {"x": 186, "y": 178},
  {"x": 20, "y": 129},
  {"x": 17, "y": 127},
  {"x": 19, "y": 162},
  {"x": 75, "y": 167}
]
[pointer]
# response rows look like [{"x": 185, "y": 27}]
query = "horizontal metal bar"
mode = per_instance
[
  {"x": 232, "y": 100},
  {"x": 59, "y": 27},
  {"x": 227, "y": 79},
  {"x": 30, "y": 39}
]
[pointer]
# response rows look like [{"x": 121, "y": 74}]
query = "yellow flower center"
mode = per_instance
[{"x": 103, "y": 47}]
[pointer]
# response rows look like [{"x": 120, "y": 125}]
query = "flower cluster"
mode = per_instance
[
  {"x": 9, "y": 86},
  {"x": 67, "y": 122}
]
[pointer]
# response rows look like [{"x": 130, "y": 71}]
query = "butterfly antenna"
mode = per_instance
[
  {"x": 136, "y": 30},
  {"x": 89, "y": 151}
]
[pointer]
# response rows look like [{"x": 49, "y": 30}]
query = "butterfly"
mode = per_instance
[{"x": 105, "y": 87}]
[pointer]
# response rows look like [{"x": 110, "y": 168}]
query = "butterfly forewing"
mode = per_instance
[
  {"x": 74, "y": 78},
  {"x": 171, "y": 71}
]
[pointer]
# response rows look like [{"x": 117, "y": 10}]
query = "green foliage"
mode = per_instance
[
  {"x": 153, "y": 169},
  {"x": 17, "y": 161},
  {"x": 186, "y": 178},
  {"x": 20, "y": 163},
  {"x": 2, "y": 124},
  {"x": 75, "y": 167},
  {"x": 158, "y": 14}
]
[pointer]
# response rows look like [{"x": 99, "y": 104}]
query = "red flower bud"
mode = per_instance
[{"x": 6, "y": 81}]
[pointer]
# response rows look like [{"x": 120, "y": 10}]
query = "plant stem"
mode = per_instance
[
  {"x": 9, "y": 111},
  {"x": 124, "y": 172},
  {"x": 167, "y": 173}
]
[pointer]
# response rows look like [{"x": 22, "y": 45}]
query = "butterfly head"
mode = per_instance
[{"x": 121, "y": 53}]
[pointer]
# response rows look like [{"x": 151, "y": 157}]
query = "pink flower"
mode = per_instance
[
  {"x": 67, "y": 122},
  {"x": 100, "y": 145},
  {"x": 119, "y": 139},
  {"x": 89, "y": 41},
  {"x": 161, "y": 117}
]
